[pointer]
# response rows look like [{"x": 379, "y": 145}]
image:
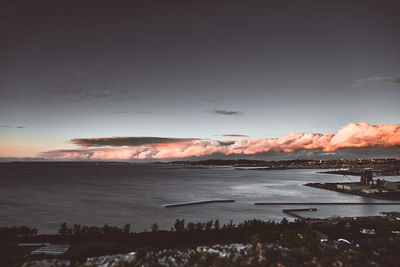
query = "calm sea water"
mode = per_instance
[{"x": 44, "y": 195}]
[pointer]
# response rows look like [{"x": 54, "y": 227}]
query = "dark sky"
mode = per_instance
[{"x": 193, "y": 69}]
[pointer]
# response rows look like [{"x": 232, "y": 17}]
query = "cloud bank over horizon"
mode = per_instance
[{"x": 353, "y": 135}]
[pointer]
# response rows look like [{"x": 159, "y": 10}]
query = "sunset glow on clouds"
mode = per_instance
[{"x": 353, "y": 135}]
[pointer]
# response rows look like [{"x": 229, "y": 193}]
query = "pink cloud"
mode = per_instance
[{"x": 353, "y": 135}]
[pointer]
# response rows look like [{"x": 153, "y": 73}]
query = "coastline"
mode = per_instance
[{"x": 333, "y": 187}]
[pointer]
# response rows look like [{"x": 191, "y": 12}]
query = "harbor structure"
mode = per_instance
[{"x": 366, "y": 177}]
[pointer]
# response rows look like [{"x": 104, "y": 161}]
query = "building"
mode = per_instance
[
  {"x": 354, "y": 187},
  {"x": 366, "y": 177},
  {"x": 339, "y": 186},
  {"x": 391, "y": 185},
  {"x": 367, "y": 231},
  {"x": 370, "y": 191}
]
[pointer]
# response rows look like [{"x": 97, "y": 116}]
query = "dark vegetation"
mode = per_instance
[
  {"x": 89, "y": 241},
  {"x": 181, "y": 233},
  {"x": 17, "y": 232}
]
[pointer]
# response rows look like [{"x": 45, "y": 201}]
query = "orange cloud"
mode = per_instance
[{"x": 353, "y": 135}]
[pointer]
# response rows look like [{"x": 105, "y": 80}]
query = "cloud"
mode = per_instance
[
  {"x": 353, "y": 135},
  {"x": 225, "y": 112},
  {"x": 235, "y": 135},
  {"x": 68, "y": 154},
  {"x": 10, "y": 126},
  {"x": 102, "y": 94},
  {"x": 79, "y": 84},
  {"x": 394, "y": 80},
  {"x": 126, "y": 141},
  {"x": 137, "y": 112},
  {"x": 69, "y": 94},
  {"x": 376, "y": 81}
]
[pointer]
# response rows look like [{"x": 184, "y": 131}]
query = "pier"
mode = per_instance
[
  {"x": 198, "y": 203},
  {"x": 291, "y": 212}
]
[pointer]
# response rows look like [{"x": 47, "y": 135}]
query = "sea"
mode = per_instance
[{"x": 44, "y": 195}]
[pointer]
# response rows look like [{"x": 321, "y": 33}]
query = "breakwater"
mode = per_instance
[
  {"x": 326, "y": 203},
  {"x": 198, "y": 203}
]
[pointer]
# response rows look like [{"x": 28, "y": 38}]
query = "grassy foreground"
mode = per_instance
[{"x": 351, "y": 241}]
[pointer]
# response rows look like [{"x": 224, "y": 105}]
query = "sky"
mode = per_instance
[{"x": 178, "y": 79}]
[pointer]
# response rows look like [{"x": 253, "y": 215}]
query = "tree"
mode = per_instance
[
  {"x": 77, "y": 230},
  {"x": 284, "y": 221},
  {"x": 208, "y": 225},
  {"x": 216, "y": 225},
  {"x": 190, "y": 227},
  {"x": 179, "y": 225},
  {"x": 127, "y": 228},
  {"x": 155, "y": 227}
]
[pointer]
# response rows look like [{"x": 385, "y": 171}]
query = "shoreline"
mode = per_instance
[{"x": 333, "y": 187}]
